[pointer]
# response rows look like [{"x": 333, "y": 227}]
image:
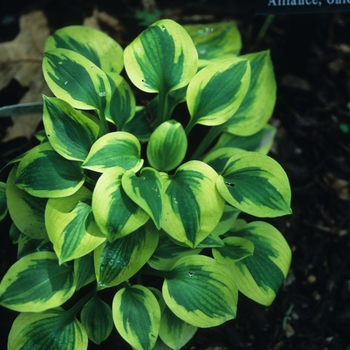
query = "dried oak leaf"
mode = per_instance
[
  {"x": 105, "y": 22},
  {"x": 21, "y": 59}
]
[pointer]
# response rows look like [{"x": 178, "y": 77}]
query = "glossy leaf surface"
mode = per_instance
[
  {"x": 84, "y": 271},
  {"x": 115, "y": 213},
  {"x": 260, "y": 275},
  {"x": 259, "y": 102},
  {"x": 71, "y": 226},
  {"x": 152, "y": 69},
  {"x": 218, "y": 158},
  {"x": 50, "y": 329},
  {"x": 87, "y": 41},
  {"x": 117, "y": 261},
  {"x": 215, "y": 41},
  {"x": 70, "y": 133},
  {"x": 96, "y": 317},
  {"x": 136, "y": 315},
  {"x": 173, "y": 331},
  {"x": 116, "y": 149},
  {"x": 200, "y": 291},
  {"x": 192, "y": 205},
  {"x": 235, "y": 249},
  {"x": 122, "y": 105},
  {"x": 36, "y": 283},
  {"x": 167, "y": 146},
  {"x": 255, "y": 184},
  {"x": 26, "y": 211},
  {"x": 76, "y": 80},
  {"x": 146, "y": 190},
  {"x": 44, "y": 173},
  {"x": 216, "y": 92}
]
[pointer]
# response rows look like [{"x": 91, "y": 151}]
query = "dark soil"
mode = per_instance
[{"x": 311, "y": 55}]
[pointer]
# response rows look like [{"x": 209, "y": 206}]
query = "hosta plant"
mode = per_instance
[{"x": 149, "y": 155}]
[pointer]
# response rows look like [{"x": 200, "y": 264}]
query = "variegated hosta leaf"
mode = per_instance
[
  {"x": 136, "y": 316},
  {"x": 228, "y": 219},
  {"x": 259, "y": 276},
  {"x": 260, "y": 142},
  {"x": 3, "y": 205},
  {"x": 115, "y": 213},
  {"x": 200, "y": 291},
  {"x": 87, "y": 41},
  {"x": 84, "y": 271},
  {"x": 192, "y": 205},
  {"x": 160, "y": 345},
  {"x": 167, "y": 253},
  {"x": 235, "y": 249},
  {"x": 96, "y": 317},
  {"x": 118, "y": 261},
  {"x": 158, "y": 294},
  {"x": 146, "y": 190},
  {"x": 152, "y": 69},
  {"x": 167, "y": 146},
  {"x": 36, "y": 283},
  {"x": 255, "y": 184},
  {"x": 173, "y": 331},
  {"x": 122, "y": 105},
  {"x": 53, "y": 329},
  {"x": 26, "y": 211},
  {"x": 215, "y": 41},
  {"x": 44, "y": 173},
  {"x": 259, "y": 102},
  {"x": 216, "y": 92},
  {"x": 218, "y": 158},
  {"x": 238, "y": 225},
  {"x": 27, "y": 245},
  {"x": 70, "y": 133},
  {"x": 116, "y": 149},
  {"x": 71, "y": 226},
  {"x": 14, "y": 233},
  {"x": 211, "y": 241},
  {"x": 41, "y": 135},
  {"x": 76, "y": 80}
]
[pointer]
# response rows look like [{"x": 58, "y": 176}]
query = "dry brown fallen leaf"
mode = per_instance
[
  {"x": 111, "y": 25},
  {"x": 21, "y": 60}
]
